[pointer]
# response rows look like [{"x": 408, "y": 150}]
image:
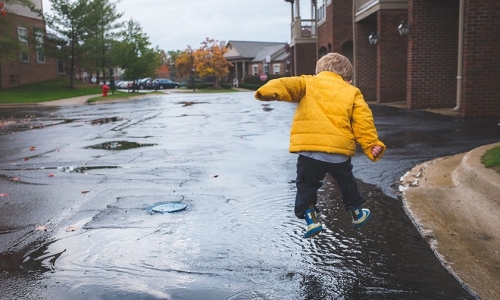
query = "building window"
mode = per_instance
[
  {"x": 22, "y": 33},
  {"x": 255, "y": 69},
  {"x": 40, "y": 53},
  {"x": 322, "y": 9},
  {"x": 266, "y": 68},
  {"x": 276, "y": 68}
]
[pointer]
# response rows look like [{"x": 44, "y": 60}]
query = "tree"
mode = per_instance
[
  {"x": 184, "y": 63},
  {"x": 71, "y": 20},
  {"x": 171, "y": 62},
  {"x": 103, "y": 31},
  {"x": 209, "y": 60},
  {"x": 134, "y": 54}
]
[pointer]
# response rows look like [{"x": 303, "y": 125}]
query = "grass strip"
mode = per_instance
[{"x": 491, "y": 159}]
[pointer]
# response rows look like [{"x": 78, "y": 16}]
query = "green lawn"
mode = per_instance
[
  {"x": 46, "y": 91},
  {"x": 58, "y": 89},
  {"x": 491, "y": 159}
]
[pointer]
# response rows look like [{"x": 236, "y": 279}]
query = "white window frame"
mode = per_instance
[
  {"x": 255, "y": 69},
  {"x": 40, "y": 53},
  {"x": 22, "y": 34},
  {"x": 322, "y": 11},
  {"x": 276, "y": 69}
]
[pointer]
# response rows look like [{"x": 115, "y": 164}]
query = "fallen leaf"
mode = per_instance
[
  {"x": 4, "y": 194},
  {"x": 214, "y": 176},
  {"x": 32, "y": 148},
  {"x": 40, "y": 228},
  {"x": 25, "y": 159},
  {"x": 85, "y": 192},
  {"x": 15, "y": 179},
  {"x": 71, "y": 228},
  {"x": 51, "y": 175}
]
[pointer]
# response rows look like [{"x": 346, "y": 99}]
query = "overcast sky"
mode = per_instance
[{"x": 174, "y": 24}]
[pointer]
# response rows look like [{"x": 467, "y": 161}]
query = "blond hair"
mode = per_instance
[{"x": 336, "y": 63}]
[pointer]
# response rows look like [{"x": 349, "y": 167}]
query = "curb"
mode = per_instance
[
  {"x": 454, "y": 203},
  {"x": 472, "y": 173}
]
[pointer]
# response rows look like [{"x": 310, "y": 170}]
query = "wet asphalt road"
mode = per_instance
[{"x": 90, "y": 174}]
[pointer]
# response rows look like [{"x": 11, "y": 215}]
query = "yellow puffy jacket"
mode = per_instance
[{"x": 331, "y": 115}]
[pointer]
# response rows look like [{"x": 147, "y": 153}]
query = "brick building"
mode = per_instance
[
  {"x": 446, "y": 58},
  {"x": 33, "y": 65},
  {"x": 250, "y": 58}
]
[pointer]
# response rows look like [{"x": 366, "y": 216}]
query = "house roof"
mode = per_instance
[
  {"x": 275, "y": 52},
  {"x": 252, "y": 50}
]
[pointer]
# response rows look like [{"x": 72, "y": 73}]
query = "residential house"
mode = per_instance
[
  {"x": 33, "y": 65},
  {"x": 423, "y": 53},
  {"x": 257, "y": 58}
]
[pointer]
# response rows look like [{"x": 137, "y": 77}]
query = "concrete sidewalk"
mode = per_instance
[
  {"x": 70, "y": 101},
  {"x": 455, "y": 203}
]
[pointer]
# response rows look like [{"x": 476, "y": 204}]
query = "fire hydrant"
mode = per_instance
[{"x": 105, "y": 89}]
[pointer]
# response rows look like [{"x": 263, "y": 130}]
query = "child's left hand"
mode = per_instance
[{"x": 376, "y": 150}]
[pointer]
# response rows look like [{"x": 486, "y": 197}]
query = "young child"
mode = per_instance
[{"x": 331, "y": 117}]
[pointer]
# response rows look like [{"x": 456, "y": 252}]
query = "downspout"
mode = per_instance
[
  {"x": 460, "y": 55},
  {"x": 354, "y": 82}
]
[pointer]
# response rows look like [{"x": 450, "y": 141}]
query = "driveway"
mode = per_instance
[{"x": 78, "y": 185}]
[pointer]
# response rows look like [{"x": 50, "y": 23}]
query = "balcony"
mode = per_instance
[{"x": 303, "y": 29}]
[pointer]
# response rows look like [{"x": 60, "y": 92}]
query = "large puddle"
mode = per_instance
[{"x": 234, "y": 248}]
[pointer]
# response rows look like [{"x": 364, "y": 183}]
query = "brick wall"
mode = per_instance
[
  {"x": 342, "y": 23},
  {"x": 366, "y": 61},
  {"x": 432, "y": 53},
  {"x": 32, "y": 71},
  {"x": 481, "y": 64},
  {"x": 306, "y": 58},
  {"x": 391, "y": 57}
]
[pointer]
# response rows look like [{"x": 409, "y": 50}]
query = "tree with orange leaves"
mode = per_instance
[
  {"x": 206, "y": 61},
  {"x": 209, "y": 60},
  {"x": 184, "y": 63}
]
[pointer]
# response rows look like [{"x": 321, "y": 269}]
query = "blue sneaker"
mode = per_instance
[
  {"x": 360, "y": 216},
  {"x": 314, "y": 227}
]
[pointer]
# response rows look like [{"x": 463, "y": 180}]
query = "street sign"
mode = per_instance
[{"x": 263, "y": 76}]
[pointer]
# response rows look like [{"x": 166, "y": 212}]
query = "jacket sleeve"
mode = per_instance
[
  {"x": 364, "y": 127},
  {"x": 289, "y": 89}
]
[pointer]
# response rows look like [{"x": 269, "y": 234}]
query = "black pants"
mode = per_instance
[{"x": 311, "y": 172}]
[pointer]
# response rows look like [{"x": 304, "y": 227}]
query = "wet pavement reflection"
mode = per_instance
[{"x": 87, "y": 231}]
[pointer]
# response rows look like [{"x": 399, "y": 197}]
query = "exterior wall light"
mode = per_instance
[
  {"x": 404, "y": 28},
  {"x": 373, "y": 38}
]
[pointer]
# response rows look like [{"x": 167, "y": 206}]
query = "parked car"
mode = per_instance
[
  {"x": 164, "y": 83},
  {"x": 145, "y": 83},
  {"x": 124, "y": 84}
]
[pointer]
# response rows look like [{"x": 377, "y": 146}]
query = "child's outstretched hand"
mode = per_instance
[
  {"x": 260, "y": 96},
  {"x": 376, "y": 150}
]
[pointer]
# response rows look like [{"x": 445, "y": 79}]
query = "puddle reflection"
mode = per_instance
[
  {"x": 119, "y": 145},
  {"x": 73, "y": 169},
  {"x": 189, "y": 103},
  {"x": 105, "y": 120}
]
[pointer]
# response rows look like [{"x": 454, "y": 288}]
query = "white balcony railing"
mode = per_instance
[{"x": 303, "y": 29}]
